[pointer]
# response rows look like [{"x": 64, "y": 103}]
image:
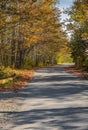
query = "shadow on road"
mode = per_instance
[
  {"x": 59, "y": 87},
  {"x": 65, "y": 118},
  {"x": 50, "y": 87}
]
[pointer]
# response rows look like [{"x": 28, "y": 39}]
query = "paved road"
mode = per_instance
[{"x": 54, "y": 100}]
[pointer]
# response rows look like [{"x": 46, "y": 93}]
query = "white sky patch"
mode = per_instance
[{"x": 63, "y": 4}]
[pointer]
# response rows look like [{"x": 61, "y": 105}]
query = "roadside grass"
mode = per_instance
[
  {"x": 78, "y": 72},
  {"x": 13, "y": 80}
]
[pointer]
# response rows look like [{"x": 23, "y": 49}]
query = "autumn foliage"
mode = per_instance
[
  {"x": 16, "y": 79},
  {"x": 29, "y": 32},
  {"x": 79, "y": 29}
]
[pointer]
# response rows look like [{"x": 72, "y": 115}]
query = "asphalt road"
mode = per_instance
[{"x": 54, "y": 100}]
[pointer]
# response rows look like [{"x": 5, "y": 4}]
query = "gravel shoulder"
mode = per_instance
[{"x": 54, "y": 100}]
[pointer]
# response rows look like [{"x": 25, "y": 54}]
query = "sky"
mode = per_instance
[{"x": 63, "y": 4}]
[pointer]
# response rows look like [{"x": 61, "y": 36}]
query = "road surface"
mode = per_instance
[{"x": 54, "y": 100}]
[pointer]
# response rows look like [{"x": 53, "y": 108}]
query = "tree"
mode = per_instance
[
  {"x": 79, "y": 40},
  {"x": 30, "y": 31}
]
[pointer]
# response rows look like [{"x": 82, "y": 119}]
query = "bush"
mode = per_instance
[
  {"x": 41, "y": 64},
  {"x": 6, "y": 72},
  {"x": 28, "y": 64}
]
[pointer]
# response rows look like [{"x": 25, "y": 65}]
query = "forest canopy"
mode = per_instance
[
  {"x": 79, "y": 27},
  {"x": 30, "y": 33}
]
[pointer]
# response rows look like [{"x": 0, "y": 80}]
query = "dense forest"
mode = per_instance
[
  {"x": 30, "y": 33},
  {"x": 78, "y": 25}
]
